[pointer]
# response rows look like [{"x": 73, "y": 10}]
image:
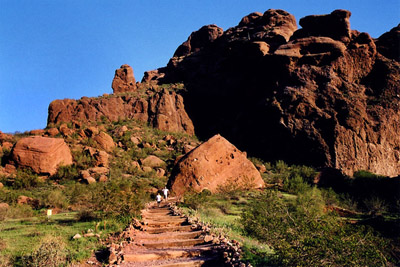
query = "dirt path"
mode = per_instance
[{"x": 167, "y": 240}]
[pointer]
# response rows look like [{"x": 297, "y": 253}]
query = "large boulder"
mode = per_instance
[
  {"x": 105, "y": 141},
  {"x": 42, "y": 154},
  {"x": 212, "y": 165},
  {"x": 198, "y": 40},
  {"x": 124, "y": 80},
  {"x": 335, "y": 25}
]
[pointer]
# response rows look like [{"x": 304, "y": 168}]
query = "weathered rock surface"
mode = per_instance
[
  {"x": 211, "y": 165},
  {"x": 162, "y": 109},
  {"x": 124, "y": 80},
  {"x": 198, "y": 40},
  {"x": 388, "y": 44},
  {"x": 41, "y": 154},
  {"x": 323, "y": 95},
  {"x": 152, "y": 161},
  {"x": 105, "y": 141}
]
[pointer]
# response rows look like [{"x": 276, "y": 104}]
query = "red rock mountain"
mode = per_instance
[
  {"x": 323, "y": 95},
  {"x": 212, "y": 165},
  {"x": 162, "y": 109}
]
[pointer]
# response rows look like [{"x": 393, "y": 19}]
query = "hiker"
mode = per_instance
[
  {"x": 165, "y": 191},
  {"x": 158, "y": 198}
]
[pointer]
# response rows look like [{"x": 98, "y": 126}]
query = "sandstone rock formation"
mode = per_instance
[
  {"x": 162, "y": 109},
  {"x": 198, "y": 40},
  {"x": 323, "y": 95},
  {"x": 211, "y": 165},
  {"x": 388, "y": 44},
  {"x": 124, "y": 80},
  {"x": 105, "y": 141},
  {"x": 42, "y": 154}
]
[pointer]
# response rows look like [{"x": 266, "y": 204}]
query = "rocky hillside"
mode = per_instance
[
  {"x": 322, "y": 95},
  {"x": 159, "y": 107}
]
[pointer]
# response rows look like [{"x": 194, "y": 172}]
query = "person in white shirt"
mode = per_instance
[
  {"x": 158, "y": 198},
  {"x": 165, "y": 191}
]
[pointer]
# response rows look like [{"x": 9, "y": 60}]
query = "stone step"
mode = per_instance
[
  {"x": 173, "y": 235},
  {"x": 158, "y": 230},
  {"x": 161, "y": 217},
  {"x": 166, "y": 254},
  {"x": 174, "y": 243},
  {"x": 192, "y": 262},
  {"x": 165, "y": 223}
]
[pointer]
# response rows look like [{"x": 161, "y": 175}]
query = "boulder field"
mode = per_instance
[{"x": 214, "y": 165}]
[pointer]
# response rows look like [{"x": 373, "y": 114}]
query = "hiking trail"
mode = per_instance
[{"x": 168, "y": 240}]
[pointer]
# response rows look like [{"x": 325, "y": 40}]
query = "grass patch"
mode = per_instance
[{"x": 21, "y": 237}]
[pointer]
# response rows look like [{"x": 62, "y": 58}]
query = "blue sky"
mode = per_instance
[{"x": 55, "y": 49}]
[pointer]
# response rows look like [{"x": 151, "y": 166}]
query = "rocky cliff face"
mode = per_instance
[
  {"x": 160, "y": 108},
  {"x": 323, "y": 95}
]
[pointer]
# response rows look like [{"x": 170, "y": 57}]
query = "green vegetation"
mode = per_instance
[
  {"x": 29, "y": 238},
  {"x": 293, "y": 224}
]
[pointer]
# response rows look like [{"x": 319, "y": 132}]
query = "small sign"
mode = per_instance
[{"x": 49, "y": 213}]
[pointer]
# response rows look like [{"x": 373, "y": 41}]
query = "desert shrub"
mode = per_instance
[
  {"x": 119, "y": 197},
  {"x": 225, "y": 207},
  {"x": 5, "y": 260},
  {"x": 70, "y": 172},
  {"x": 307, "y": 173},
  {"x": 86, "y": 215},
  {"x": 20, "y": 211},
  {"x": 301, "y": 234},
  {"x": 258, "y": 257},
  {"x": 51, "y": 252},
  {"x": 295, "y": 184},
  {"x": 363, "y": 174},
  {"x": 56, "y": 199},
  {"x": 83, "y": 160},
  {"x": 25, "y": 179},
  {"x": 375, "y": 206},
  {"x": 195, "y": 201}
]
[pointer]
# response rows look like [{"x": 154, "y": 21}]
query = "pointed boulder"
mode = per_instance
[{"x": 213, "y": 165}]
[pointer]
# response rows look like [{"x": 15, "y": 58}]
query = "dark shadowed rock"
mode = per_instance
[
  {"x": 388, "y": 44},
  {"x": 325, "y": 98},
  {"x": 335, "y": 25},
  {"x": 199, "y": 39}
]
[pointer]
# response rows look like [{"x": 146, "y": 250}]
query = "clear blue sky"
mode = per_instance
[{"x": 55, "y": 49}]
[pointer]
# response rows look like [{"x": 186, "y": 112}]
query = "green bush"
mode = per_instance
[
  {"x": 26, "y": 179},
  {"x": 20, "y": 211},
  {"x": 195, "y": 201},
  {"x": 56, "y": 199},
  {"x": 70, "y": 172},
  {"x": 51, "y": 252},
  {"x": 301, "y": 234}
]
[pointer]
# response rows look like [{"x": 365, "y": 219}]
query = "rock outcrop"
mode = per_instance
[
  {"x": 213, "y": 165},
  {"x": 323, "y": 95},
  {"x": 388, "y": 44},
  {"x": 162, "y": 109},
  {"x": 124, "y": 80},
  {"x": 42, "y": 154}
]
